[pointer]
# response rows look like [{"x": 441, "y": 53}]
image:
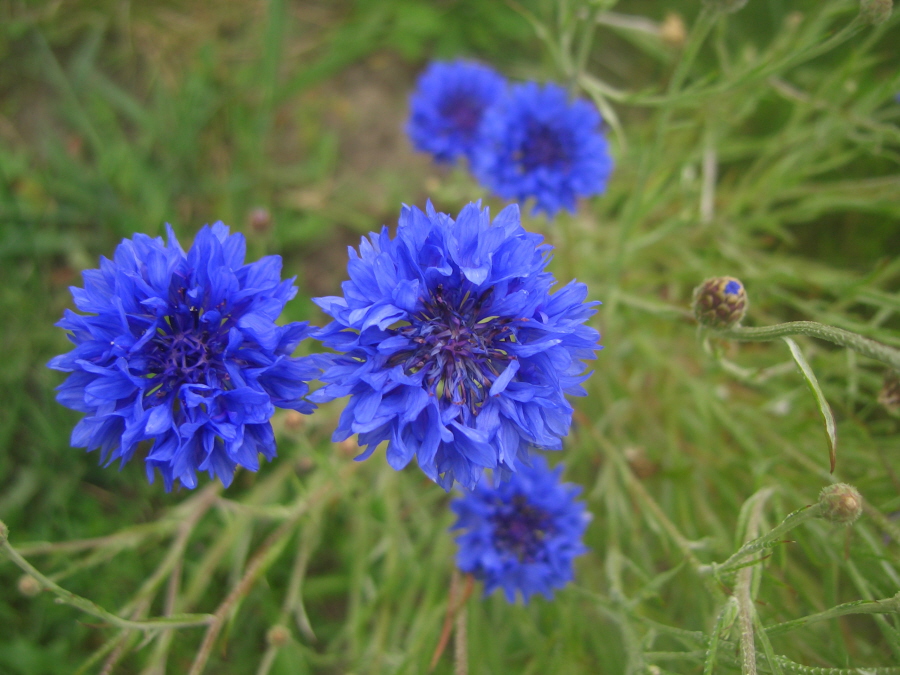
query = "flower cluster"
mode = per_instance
[
  {"x": 524, "y": 141},
  {"x": 521, "y": 535},
  {"x": 181, "y": 350},
  {"x": 452, "y": 347}
]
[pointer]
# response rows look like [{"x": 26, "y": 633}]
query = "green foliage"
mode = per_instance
[{"x": 764, "y": 145}]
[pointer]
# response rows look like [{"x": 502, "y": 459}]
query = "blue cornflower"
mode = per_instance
[
  {"x": 537, "y": 143},
  {"x": 521, "y": 534},
  {"x": 448, "y": 105},
  {"x": 182, "y": 350},
  {"x": 454, "y": 349}
]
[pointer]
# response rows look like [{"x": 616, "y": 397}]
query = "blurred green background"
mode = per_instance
[{"x": 757, "y": 149}]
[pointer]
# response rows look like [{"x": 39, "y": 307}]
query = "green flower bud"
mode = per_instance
[
  {"x": 840, "y": 503},
  {"x": 720, "y": 302},
  {"x": 874, "y": 12},
  {"x": 278, "y": 635},
  {"x": 28, "y": 585}
]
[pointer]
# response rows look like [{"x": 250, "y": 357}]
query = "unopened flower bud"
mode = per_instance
[
  {"x": 673, "y": 31},
  {"x": 840, "y": 503},
  {"x": 28, "y": 585},
  {"x": 260, "y": 219},
  {"x": 4, "y": 531},
  {"x": 278, "y": 636},
  {"x": 720, "y": 302},
  {"x": 874, "y": 12}
]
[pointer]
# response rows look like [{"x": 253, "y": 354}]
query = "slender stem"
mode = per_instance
[
  {"x": 745, "y": 620},
  {"x": 632, "y": 210},
  {"x": 460, "y": 639},
  {"x": 293, "y": 600},
  {"x": 760, "y": 543},
  {"x": 200, "y": 505},
  {"x": 264, "y": 556},
  {"x": 105, "y": 649},
  {"x": 723, "y": 623},
  {"x": 270, "y": 549},
  {"x": 886, "y": 606},
  {"x": 638, "y": 490},
  {"x": 455, "y": 602},
  {"x": 839, "y": 336},
  {"x": 127, "y": 538},
  {"x": 85, "y": 605},
  {"x": 743, "y": 593}
]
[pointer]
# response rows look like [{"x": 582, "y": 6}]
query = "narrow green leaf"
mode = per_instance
[
  {"x": 723, "y": 624},
  {"x": 774, "y": 665},
  {"x": 820, "y": 398}
]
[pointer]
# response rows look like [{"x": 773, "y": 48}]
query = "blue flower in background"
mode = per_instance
[
  {"x": 454, "y": 349},
  {"x": 537, "y": 143},
  {"x": 182, "y": 350},
  {"x": 522, "y": 534},
  {"x": 448, "y": 105}
]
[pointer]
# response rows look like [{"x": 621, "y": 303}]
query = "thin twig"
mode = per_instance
[
  {"x": 85, "y": 605},
  {"x": 453, "y": 606},
  {"x": 267, "y": 552}
]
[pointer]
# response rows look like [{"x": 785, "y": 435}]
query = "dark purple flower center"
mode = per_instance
[
  {"x": 461, "y": 351},
  {"x": 185, "y": 351},
  {"x": 520, "y": 529},
  {"x": 464, "y": 112},
  {"x": 543, "y": 147}
]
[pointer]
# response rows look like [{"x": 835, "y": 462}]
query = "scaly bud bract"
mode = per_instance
[
  {"x": 840, "y": 503},
  {"x": 720, "y": 302}
]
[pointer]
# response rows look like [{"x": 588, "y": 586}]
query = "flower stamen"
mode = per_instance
[{"x": 460, "y": 349}]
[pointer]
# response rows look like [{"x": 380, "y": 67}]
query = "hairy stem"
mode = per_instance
[
  {"x": 743, "y": 589},
  {"x": 761, "y": 543},
  {"x": 886, "y": 606},
  {"x": 839, "y": 336},
  {"x": 85, "y": 605}
]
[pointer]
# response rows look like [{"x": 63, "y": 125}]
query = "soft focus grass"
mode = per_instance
[{"x": 756, "y": 148}]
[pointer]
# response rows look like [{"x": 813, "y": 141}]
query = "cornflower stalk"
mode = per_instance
[
  {"x": 68, "y": 598},
  {"x": 839, "y": 336}
]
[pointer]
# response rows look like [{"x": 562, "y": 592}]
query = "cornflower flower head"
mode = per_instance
[
  {"x": 448, "y": 105},
  {"x": 453, "y": 349},
  {"x": 522, "y": 534},
  {"x": 537, "y": 143},
  {"x": 182, "y": 350}
]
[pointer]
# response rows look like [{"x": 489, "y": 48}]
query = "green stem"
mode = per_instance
[
  {"x": 886, "y": 606},
  {"x": 839, "y": 336},
  {"x": 761, "y": 543},
  {"x": 723, "y": 623},
  {"x": 85, "y": 605}
]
